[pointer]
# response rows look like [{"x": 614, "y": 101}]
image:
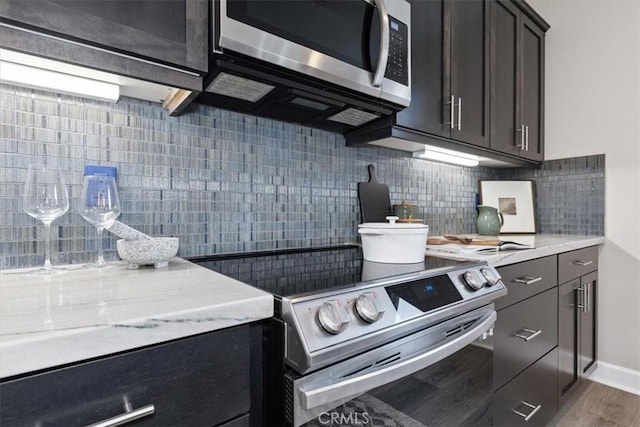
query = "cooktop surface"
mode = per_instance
[{"x": 293, "y": 272}]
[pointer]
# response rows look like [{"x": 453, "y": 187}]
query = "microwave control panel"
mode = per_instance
[{"x": 397, "y": 65}]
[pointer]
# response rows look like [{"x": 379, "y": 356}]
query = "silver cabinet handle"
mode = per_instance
[
  {"x": 526, "y": 138},
  {"x": 529, "y": 331},
  {"x": 522, "y": 135},
  {"x": 583, "y": 292},
  {"x": 528, "y": 280},
  {"x": 452, "y": 112},
  {"x": 383, "y": 55},
  {"x": 582, "y": 263},
  {"x": 126, "y": 418},
  {"x": 531, "y": 414},
  {"x": 459, "y": 113},
  {"x": 587, "y": 298}
]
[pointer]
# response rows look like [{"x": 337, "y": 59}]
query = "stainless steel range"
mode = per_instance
[{"x": 348, "y": 332}]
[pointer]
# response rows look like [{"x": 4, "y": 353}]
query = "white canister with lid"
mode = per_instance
[{"x": 393, "y": 243}]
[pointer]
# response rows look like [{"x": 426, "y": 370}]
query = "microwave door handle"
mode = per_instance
[
  {"x": 346, "y": 388},
  {"x": 383, "y": 56}
]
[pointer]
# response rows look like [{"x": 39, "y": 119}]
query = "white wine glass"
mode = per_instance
[
  {"x": 100, "y": 206},
  {"x": 45, "y": 198}
]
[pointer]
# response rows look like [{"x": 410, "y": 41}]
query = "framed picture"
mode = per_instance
[{"x": 515, "y": 200}]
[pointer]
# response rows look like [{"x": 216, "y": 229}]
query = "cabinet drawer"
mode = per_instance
[
  {"x": 577, "y": 263},
  {"x": 527, "y": 279},
  {"x": 535, "y": 320},
  {"x": 197, "y": 381},
  {"x": 533, "y": 390}
]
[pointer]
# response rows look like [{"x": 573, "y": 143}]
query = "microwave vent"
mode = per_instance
[
  {"x": 239, "y": 87},
  {"x": 353, "y": 117}
]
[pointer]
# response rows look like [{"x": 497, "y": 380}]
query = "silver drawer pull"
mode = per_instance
[
  {"x": 528, "y": 337},
  {"x": 528, "y": 280},
  {"x": 531, "y": 414},
  {"x": 582, "y": 263},
  {"x": 126, "y": 418}
]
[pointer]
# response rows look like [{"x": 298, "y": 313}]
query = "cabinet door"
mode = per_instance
[
  {"x": 568, "y": 340},
  {"x": 171, "y": 31},
  {"x": 469, "y": 69},
  {"x": 532, "y": 100},
  {"x": 588, "y": 284},
  {"x": 506, "y": 129},
  {"x": 425, "y": 114}
]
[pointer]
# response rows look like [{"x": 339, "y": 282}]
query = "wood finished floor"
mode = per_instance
[{"x": 601, "y": 405}]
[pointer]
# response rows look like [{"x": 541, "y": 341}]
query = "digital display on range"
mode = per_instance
[{"x": 423, "y": 295}]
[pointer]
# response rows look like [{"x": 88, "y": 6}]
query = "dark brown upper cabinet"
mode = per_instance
[
  {"x": 159, "y": 41},
  {"x": 477, "y": 82},
  {"x": 517, "y": 80},
  {"x": 450, "y": 70}
]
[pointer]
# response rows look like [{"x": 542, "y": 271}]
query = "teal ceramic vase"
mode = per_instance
[{"x": 489, "y": 221}]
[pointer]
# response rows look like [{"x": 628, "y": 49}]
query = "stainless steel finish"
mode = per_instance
[
  {"x": 531, "y": 414},
  {"x": 587, "y": 298},
  {"x": 522, "y": 131},
  {"x": 333, "y": 317},
  {"x": 526, "y": 138},
  {"x": 582, "y": 263},
  {"x": 126, "y": 418},
  {"x": 474, "y": 280},
  {"x": 383, "y": 53},
  {"x": 528, "y": 280},
  {"x": 241, "y": 38},
  {"x": 529, "y": 331},
  {"x": 367, "y": 308},
  {"x": 583, "y": 302},
  {"x": 459, "y": 113},
  {"x": 309, "y": 348},
  {"x": 491, "y": 276},
  {"x": 338, "y": 383},
  {"x": 112, "y": 52},
  {"x": 452, "y": 112}
]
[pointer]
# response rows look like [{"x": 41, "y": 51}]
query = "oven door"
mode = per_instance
[
  {"x": 340, "y": 42},
  {"x": 439, "y": 376}
]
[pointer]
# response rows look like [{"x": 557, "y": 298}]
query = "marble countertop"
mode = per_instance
[
  {"x": 51, "y": 320},
  {"x": 544, "y": 244}
]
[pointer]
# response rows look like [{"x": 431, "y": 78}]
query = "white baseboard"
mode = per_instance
[{"x": 617, "y": 376}]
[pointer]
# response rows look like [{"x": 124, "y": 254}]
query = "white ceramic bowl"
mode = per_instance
[
  {"x": 393, "y": 243},
  {"x": 157, "y": 251}
]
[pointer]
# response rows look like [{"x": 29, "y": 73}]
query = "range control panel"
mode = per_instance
[
  {"x": 345, "y": 315},
  {"x": 398, "y": 64}
]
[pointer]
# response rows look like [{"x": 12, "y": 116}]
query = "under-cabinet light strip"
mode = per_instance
[
  {"x": 447, "y": 156},
  {"x": 39, "y": 78}
]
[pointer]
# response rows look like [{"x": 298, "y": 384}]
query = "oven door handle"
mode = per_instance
[{"x": 345, "y": 388}]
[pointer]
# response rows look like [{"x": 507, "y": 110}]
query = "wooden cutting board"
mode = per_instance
[{"x": 375, "y": 205}]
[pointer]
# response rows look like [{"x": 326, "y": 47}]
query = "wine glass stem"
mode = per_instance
[
  {"x": 47, "y": 246},
  {"x": 100, "y": 260}
]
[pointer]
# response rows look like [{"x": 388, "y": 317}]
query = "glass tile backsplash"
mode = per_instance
[{"x": 227, "y": 182}]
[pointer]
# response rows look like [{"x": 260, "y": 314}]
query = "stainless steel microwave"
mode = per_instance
[{"x": 356, "y": 49}]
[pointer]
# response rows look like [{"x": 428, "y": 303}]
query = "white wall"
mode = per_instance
[{"x": 592, "y": 106}]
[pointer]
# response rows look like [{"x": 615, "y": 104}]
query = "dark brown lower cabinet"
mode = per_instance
[
  {"x": 530, "y": 399},
  {"x": 197, "y": 381},
  {"x": 524, "y": 332},
  {"x": 576, "y": 333}
]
